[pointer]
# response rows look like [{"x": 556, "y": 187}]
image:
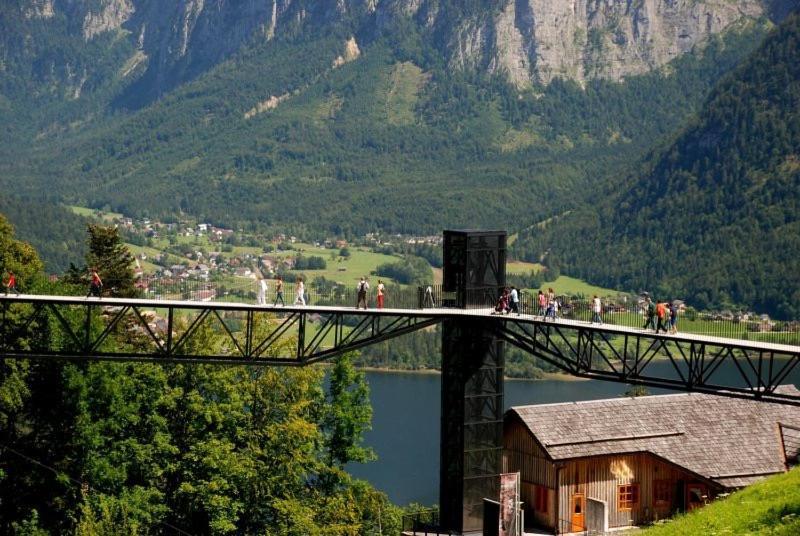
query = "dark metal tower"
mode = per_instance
[{"x": 472, "y": 379}]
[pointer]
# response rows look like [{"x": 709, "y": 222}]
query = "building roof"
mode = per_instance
[{"x": 728, "y": 440}]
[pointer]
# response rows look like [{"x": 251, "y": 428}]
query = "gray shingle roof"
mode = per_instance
[{"x": 728, "y": 440}]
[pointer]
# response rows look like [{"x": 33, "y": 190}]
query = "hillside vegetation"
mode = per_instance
[
  {"x": 714, "y": 217},
  {"x": 769, "y": 507},
  {"x": 394, "y": 140}
]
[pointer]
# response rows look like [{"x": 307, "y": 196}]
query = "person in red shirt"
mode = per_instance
[
  {"x": 96, "y": 286},
  {"x": 661, "y": 313},
  {"x": 11, "y": 283}
]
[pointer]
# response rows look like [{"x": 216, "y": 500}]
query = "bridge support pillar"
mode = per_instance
[{"x": 472, "y": 381}]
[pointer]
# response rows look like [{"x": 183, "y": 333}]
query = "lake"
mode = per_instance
[{"x": 405, "y": 432}]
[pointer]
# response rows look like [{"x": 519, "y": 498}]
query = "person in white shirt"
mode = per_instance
[
  {"x": 261, "y": 298},
  {"x": 300, "y": 289},
  {"x": 427, "y": 301},
  {"x": 515, "y": 300},
  {"x": 597, "y": 307},
  {"x": 381, "y": 294}
]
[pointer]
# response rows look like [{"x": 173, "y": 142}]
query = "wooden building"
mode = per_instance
[{"x": 602, "y": 464}]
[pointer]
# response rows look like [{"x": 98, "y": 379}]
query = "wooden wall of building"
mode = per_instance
[
  {"x": 522, "y": 454},
  {"x": 596, "y": 478},
  {"x": 599, "y": 478}
]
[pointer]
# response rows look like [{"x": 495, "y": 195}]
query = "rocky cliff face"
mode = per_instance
[
  {"x": 531, "y": 41},
  {"x": 535, "y": 41}
]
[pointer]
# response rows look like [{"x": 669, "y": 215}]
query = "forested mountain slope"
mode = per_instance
[
  {"x": 391, "y": 140},
  {"x": 715, "y": 216},
  {"x": 58, "y": 235},
  {"x": 345, "y": 117}
]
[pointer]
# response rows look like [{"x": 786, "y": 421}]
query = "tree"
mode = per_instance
[
  {"x": 18, "y": 256},
  {"x": 113, "y": 260},
  {"x": 637, "y": 390},
  {"x": 15, "y": 391},
  {"x": 349, "y": 415}
]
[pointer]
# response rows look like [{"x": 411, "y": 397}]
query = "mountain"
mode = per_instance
[
  {"x": 323, "y": 117},
  {"x": 153, "y": 46},
  {"x": 713, "y": 217}
]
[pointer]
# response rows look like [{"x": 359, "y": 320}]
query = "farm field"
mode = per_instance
[
  {"x": 573, "y": 287},
  {"x": 522, "y": 267},
  {"x": 95, "y": 214},
  {"x": 346, "y": 270}
]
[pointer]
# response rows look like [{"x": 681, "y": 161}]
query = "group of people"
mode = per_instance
[
  {"x": 508, "y": 301},
  {"x": 299, "y": 289},
  {"x": 95, "y": 283},
  {"x": 548, "y": 304},
  {"x": 363, "y": 289},
  {"x": 665, "y": 312},
  {"x": 659, "y": 315},
  {"x": 300, "y": 292}
]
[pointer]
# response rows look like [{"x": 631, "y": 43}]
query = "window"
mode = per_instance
[
  {"x": 541, "y": 499},
  {"x": 627, "y": 496},
  {"x": 662, "y": 492}
]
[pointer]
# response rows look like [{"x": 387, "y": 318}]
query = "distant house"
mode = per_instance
[
  {"x": 613, "y": 463},
  {"x": 244, "y": 272},
  {"x": 203, "y": 295},
  {"x": 267, "y": 262}
]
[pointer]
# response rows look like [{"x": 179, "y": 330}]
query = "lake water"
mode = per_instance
[{"x": 405, "y": 431}]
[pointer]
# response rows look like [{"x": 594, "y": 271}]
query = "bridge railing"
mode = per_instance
[
  {"x": 243, "y": 289},
  {"x": 728, "y": 325},
  {"x": 424, "y": 522}
]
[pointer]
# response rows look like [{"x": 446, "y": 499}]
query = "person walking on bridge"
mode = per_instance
[
  {"x": 597, "y": 307},
  {"x": 427, "y": 300},
  {"x": 661, "y": 313},
  {"x": 514, "y": 299},
  {"x": 650, "y": 313},
  {"x": 300, "y": 290},
  {"x": 362, "y": 289},
  {"x": 96, "y": 285},
  {"x": 261, "y": 298},
  {"x": 552, "y": 309},
  {"x": 542, "y": 303},
  {"x": 381, "y": 293},
  {"x": 11, "y": 283},
  {"x": 673, "y": 317},
  {"x": 278, "y": 291}
]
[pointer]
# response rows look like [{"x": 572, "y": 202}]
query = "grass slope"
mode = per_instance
[{"x": 769, "y": 507}]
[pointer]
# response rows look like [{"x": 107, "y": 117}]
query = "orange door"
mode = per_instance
[
  {"x": 696, "y": 496},
  {"x": 578, "y": 515}
]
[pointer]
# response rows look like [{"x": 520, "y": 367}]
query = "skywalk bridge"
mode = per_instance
[
  {"x": 473, "y": 341},
  {"x": 267, "y": 335}
]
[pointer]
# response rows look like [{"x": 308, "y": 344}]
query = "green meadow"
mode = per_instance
[{"x": 770, "y": 507}]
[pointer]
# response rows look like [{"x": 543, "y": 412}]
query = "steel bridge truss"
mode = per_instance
[
  {"x": 250, "y": 335},
  {"x": 89, "y": 329},
  {"x": 687, "y": 363}
]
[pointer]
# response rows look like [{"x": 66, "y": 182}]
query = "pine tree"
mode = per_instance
[{"x": 113, "y": 261}]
